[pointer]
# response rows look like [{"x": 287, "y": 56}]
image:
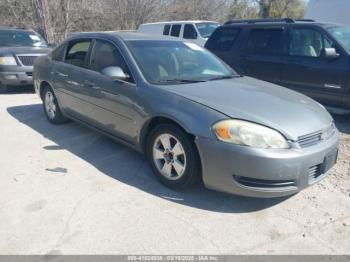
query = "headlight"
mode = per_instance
[
  {"x": 7, "y": 60},
  {"x": 249, "y": 134}
]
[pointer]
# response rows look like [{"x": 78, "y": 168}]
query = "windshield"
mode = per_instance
[
  {"x": 342, "y": 34},
  {"x": 206, "y": 29},
  {"x": 167, "y": 62},
  {"x": 10, "y": 38}
]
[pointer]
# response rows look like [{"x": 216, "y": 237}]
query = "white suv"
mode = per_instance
[{"x": 194, "y": 31}]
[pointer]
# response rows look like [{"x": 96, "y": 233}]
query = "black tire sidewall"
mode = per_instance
[
  {"x": 192, "y": 172},
  {"x": 3, "y": 89}
]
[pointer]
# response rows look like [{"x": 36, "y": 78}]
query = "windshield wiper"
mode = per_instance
[
  {"x": 223, "y": 77},
  {"x": 176, "y": 80}
]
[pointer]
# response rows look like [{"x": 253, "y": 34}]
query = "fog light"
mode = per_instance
[{"x": 10, "y": 77}]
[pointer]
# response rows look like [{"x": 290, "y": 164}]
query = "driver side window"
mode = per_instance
[
  {"x": 107, "y": 55},
  {"x": 307, "y": 43}
]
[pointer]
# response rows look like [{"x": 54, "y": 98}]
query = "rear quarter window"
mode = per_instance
[
  {"x": 175, "y": 30},
  {"x": 166, "y": 30},
  {"x": 58, "y": 53},
  {"x": 223, "y": 39}
]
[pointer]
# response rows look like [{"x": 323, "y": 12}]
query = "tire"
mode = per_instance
[
  {"x": 3, "y": 89},
  {"x": 173, "y": 157},
  {"x": 51, "y": 108}
]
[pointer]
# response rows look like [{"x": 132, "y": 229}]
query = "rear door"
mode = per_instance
[
  {"x": 308, "y": 71},
  {"x": 69, "y": 75},
  {"x": 263, "y": 54}
]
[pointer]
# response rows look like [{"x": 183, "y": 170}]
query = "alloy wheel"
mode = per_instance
[
  {"x": 50, "y": 105},
  {"x": 169, "y": 156}
]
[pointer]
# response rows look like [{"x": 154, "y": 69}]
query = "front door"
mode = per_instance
[
  {"x": 308, "y": 71},
  {"x": 111, "y": 101}
]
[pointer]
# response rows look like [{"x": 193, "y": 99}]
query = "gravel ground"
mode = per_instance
[
  {"x": 68, "y": 190},
  {"x": 340, "y": 178}
]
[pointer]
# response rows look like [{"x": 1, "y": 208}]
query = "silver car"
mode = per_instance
[{"x": 191, "y": 115}]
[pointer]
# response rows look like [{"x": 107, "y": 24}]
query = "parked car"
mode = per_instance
[
  {"x": 191, "y": 114},
  {"x": 195, "y": 31},
  {"x": 18, "y": 50},
  {"x": 335, "y": 11},
  {"x": 306, "y": 56}
]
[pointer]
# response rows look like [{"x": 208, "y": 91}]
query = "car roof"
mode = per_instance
[
  {"x": 274, "y": 22},
  {"x": 180, "y": 22},
  {"x": 4, "y": 28},
  {"x": 125, "y": 36}
]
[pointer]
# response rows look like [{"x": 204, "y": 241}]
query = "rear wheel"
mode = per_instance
[
  {"x": 51, "y": 108},
  {"x": 173, "y": 157},
  {"x": 3, "y": 88}
]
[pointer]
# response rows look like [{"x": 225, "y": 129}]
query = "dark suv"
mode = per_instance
[
  {"x": 309, "y": 57},
  {"x": 18, "y": 50}
]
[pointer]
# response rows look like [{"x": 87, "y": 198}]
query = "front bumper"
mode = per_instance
[
  {"x": 16, "y": 76},
  {"x": 264, "y": 173}
]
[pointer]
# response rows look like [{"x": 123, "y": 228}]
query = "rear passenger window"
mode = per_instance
[
  {"x": 190, "y": 32},
  {"x": 222, "y": 39},
  {"x": 77, "y": 53},
  {"x": 265, "y": 42},
  {"x": 166, "y": 30},
  {"x": 175, "y": 30}
]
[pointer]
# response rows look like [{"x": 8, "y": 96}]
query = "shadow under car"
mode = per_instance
[{"x": 128, "y": 166}]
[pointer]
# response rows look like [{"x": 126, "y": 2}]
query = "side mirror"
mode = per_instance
[
  {"x": 115, "y": 73},
  {"x": 330, "y": 53}
]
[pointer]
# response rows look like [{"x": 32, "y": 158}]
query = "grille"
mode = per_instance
[
  {"x": 29, "y": 73},
  {"x": 315, "y": 172},
  {"x": 27, "y": 60},
  {"x": 310, "y": 140},
  {"x": 315, "y": 138},
  {"x": 258, "y": 183}
]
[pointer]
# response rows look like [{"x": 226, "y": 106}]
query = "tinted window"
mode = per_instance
[
  {"x": 58, "y": 53},
  {"x": 166, "y": 30},
  {"x": 265, "y": 42},
  {"x": 21, "y": 38},
  {"x": 190, "y": 32},
  {"x": 105, "y": 55},
  {"x": 307, "y": 42},
  {"x": 223, "y": 39},
  {"x": 77, "y": 53},
  {"x": 175, "y": 30},
  {"x": 206, "y": 29},
  {"x": 342, "y": 34}
]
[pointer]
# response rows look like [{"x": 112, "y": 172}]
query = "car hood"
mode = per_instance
[
  {"x": 24, "y": 50},
  {"x": 245, "y": 98}
]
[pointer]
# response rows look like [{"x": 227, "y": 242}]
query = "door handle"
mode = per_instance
[
  {"x": 56, "y": 73},
  {"x": 293, "y": 62},
  {"x": 91, "y": 84}
]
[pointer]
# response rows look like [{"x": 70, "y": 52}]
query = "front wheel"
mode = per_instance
[
  {"x": 173, "y": 157},
  {"x": 51, "y": 108}
]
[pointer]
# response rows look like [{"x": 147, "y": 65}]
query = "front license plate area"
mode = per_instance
[{"x": 329, "y": 161}]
